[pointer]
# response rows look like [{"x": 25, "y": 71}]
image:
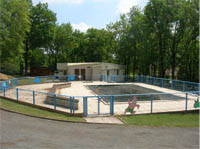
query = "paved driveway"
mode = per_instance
[{"x": 22, "y": 132}]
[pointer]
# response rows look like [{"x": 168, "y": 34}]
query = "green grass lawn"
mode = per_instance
[
  {"x": 9, "y": 105},
  {"x": 171, "y": 120}
]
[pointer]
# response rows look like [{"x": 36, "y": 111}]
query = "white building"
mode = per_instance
[{"x": 91, "y": 70}]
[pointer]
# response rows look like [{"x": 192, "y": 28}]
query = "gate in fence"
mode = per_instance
[{"x": 98, "y": 105}]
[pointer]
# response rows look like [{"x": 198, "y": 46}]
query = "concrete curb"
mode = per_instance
[
  {"x": 121, "y": 120},
  {"x": 38, "y": 116},
  {"x": 124, "y": 123},
  {"x": 55, "y": 119},
  {"x": 41, "y": 107}
]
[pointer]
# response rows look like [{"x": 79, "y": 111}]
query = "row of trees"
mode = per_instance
[{"x": 161, "y": 40}]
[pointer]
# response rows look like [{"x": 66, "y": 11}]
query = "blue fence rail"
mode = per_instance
[
  {"x": 183, "y": 97},
  {"x": 20, "y": 93},
  {"x": 111, "y": 104},
  {"x": 185, "y": 86},
  {"x": 168, "y": 83},
  {"x": 162, "y": 82},
  {"x": 9, "y": 84}
]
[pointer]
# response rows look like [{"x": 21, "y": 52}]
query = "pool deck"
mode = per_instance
[{"x": 79, "y": 88}]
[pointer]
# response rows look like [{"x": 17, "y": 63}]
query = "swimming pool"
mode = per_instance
[{"x": 129, "y": 89}]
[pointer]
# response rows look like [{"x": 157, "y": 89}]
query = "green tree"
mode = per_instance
[
  {"x": 63, "y": 43},
  {"x": 96, "y": 43},
  {"x": 158, "y": 21},
  {"x": 120, "y": 42},
  {"x": 14, "y": 23},
  {"x": 41, "y": 32},
  {"x": 78, "y": 53},
  {"x": 188, "y": 56}
]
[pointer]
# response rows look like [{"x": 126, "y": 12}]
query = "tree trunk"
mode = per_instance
[
  {"x": 161, "y": 52},
  {"x": 154, "y": 70},
  {"x": 173, "y": 50},
  {"x": 173, "y": 60},
  {"x": 21, "y": 68},
  {"x": 26, "y": 58},
  {"x": 56, "y": 60},
  {"x": 134, "y": 65}
]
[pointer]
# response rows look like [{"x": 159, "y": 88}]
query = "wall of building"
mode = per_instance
[
  {"x": 97, "y": 72},
  {"x": 88, "y": 71},
  {"x": 92, "y": 71},
  {"x": 111, "y": 66},
  {"x": 114, "y": 69}
]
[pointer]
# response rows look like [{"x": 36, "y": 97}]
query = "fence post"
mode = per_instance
[
  {"x": 17, "y": 94},
  {"x": 85, "y": 108},
  {"x": 172, "y": 84},
  {"x": 198, "y": 88},
  {"x": 4, "y": 91},
  {"x": 53, "y": 78},
  {"x": 186, "y": 101},
  {"x": 151, "y": 104},
  {"x": 70, "y": 104},
  {"x": 33, "y": 97},
  {"x": 139, "y": 79},
  {"x": 154, "y": 80},
  {"x": 183, "y": 86},
  {"x": 54, "y": 98},
  {"x": 16, "y": 82},
  {"x": 73, "y": 105},
  {"x": 162, "y": 82},
  {"x": 99, "y": 99},
  {"x": 112, "y": 105}
]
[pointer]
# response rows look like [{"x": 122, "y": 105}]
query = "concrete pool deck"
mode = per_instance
[{"x": 79, "y": 88}]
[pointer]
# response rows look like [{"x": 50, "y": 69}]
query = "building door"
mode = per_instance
[
  {"x": 83, "y": 74},
  {"x": 76, "y": 72}
]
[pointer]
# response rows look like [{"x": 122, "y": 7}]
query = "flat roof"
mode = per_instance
[{"x": 88, "y": 63}]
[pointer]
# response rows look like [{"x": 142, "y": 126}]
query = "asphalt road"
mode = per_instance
[{"x": 23, "y": 132}]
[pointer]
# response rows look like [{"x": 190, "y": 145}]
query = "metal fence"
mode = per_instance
[
  {"x": 103, "y": 104},
  {"x": 148, "y": 103},
  {"x": 8, "y": 84},
  {"x": 106, "y": 104},
  {"x": 168, "y": 83},
  {"x": 161, "y": 82},
  {"x": 68, "y": 104}
]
